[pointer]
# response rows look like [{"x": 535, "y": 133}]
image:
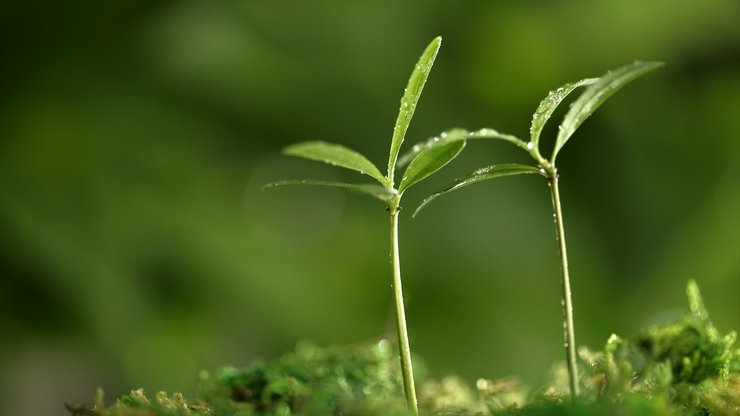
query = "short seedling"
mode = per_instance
[
  {"x": 422, "y": 164},
  {"x": 597, "y": 91}
]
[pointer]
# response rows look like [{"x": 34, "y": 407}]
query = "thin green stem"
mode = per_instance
[
  {"x": 403, "y": 337},
  {"x": 569, "y": 332}
]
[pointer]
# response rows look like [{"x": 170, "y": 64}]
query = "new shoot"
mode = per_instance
[
  {"x": 421, "y": 165},
  {"x": 596, "y": 92}
]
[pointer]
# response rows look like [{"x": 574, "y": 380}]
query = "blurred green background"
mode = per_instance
[{"x": 137, "y": 248}]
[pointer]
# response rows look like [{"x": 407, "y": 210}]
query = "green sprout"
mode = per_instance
[
  {"x": 423, "y": 163},
  {"x": 597, "y": 91}
]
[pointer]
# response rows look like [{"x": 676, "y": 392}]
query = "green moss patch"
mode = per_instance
[{"x": 681, "y": 368}]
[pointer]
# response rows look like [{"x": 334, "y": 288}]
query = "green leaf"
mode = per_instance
[
  {"x": 444, "y": 138},
  {"x": 408, "y": 102},
  {"x": 335, "y": 155},
  {"x": 482, "y": 174},
  {"x": 373, "y": 190},
  {"x": 428, "y": 162},
  {"x": 456, "y": 134},
  {"x": 549, "y": 104},
  {"x": 595, "y": 95}
]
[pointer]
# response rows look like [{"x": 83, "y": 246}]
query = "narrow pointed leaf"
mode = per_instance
[
  {"x": 456, "y": 135},
  {"x": 428, "y": 162},
  {"x": 595, "y": 95},
  {"x": 373, "y": 190},
  {"x": 443, "y": 139},
  {"x": 549, "y": 104},
  {"x": 335, "y": 155},
  {"x": 408, "y": 102},
  {"x": 490, "y": 172}
]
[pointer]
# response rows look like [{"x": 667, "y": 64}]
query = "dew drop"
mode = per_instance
[{"x": 530, "y": 145}]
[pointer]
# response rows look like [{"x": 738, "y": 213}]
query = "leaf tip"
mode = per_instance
[
  {"x": 290, "y": 150},
  {"x": 434, "y": 45},
  {"x": 416, "y": 211},
  {"x": 423, "y": 204},
  {"x": 696, "y": 304},
  {"x": 648, "y": 66}
]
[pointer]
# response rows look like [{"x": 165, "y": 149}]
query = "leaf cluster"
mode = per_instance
[
  {"x": 596, "y": 92},
  {"x": 427, "y": 157},
  {"x": 422, "y": 164}
]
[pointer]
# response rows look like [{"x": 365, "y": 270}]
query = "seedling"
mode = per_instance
[
  {"x": 423, "y": 163},
  {"x": 596, "y": 92}
]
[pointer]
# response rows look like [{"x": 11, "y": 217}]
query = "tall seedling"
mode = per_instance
[
  {"x": 423, "y": 163},
  {"x": 596, "y": 92}
]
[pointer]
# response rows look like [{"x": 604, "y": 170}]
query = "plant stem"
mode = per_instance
[
  {"x": 569, "y": 332},
  {"x": 403, "y": 336}
]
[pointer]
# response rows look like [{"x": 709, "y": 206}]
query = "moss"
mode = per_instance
[
  {"x": 685, "y": 365},
  {"x": 311, "y": 380},
  {"x": 682, "y": 368}
]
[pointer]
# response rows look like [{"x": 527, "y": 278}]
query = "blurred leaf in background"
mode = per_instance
[{"x": 136, "y": 247}]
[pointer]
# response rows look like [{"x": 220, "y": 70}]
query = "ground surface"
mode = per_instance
[{"x": 681, "y": 368}]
